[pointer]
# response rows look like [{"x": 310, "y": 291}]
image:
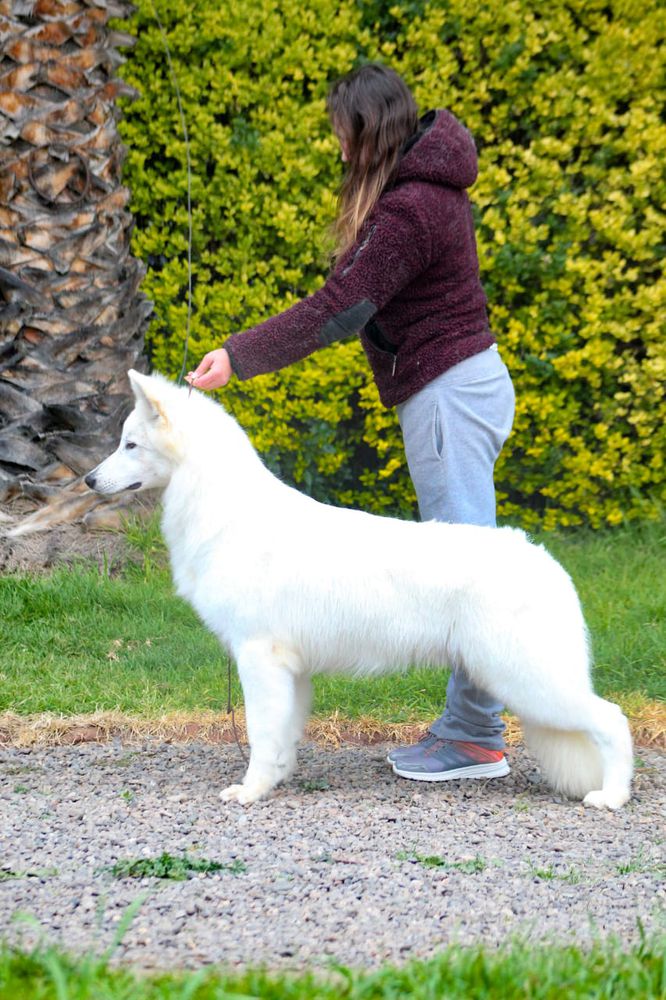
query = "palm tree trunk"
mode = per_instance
[{"x": 72, "y": 318}]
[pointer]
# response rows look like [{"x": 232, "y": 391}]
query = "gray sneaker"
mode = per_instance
[
  {"x": 412, "y": 749},
  {"x": 449, "y": 760}
]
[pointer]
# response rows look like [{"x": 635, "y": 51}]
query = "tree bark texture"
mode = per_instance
[{"x": 72, "y": 318}]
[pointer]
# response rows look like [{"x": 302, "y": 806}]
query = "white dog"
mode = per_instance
[{"x": 292, "y": 587}]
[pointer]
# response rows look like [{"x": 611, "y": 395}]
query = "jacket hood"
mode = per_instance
[{"x": 441, "y": 152}]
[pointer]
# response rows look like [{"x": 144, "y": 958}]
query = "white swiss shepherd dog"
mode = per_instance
[{"x": 292, "y": 587}]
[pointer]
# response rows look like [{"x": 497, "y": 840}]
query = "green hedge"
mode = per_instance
[{"x": 566, "y": 102}]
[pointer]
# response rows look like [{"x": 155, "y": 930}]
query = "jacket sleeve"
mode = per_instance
[{"x": 393, "y": 247}]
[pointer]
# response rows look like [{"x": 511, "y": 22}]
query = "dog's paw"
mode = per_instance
[
  {"x": 606, "y": 800},
  {"x": 241, "y": 793},
  {"x": 232, "y": 793}
]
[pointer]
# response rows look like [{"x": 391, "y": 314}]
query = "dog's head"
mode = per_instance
[{"x": 149, "y": 449}]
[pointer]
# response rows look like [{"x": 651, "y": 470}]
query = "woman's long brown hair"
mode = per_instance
[{"x": 373, "y": 113}]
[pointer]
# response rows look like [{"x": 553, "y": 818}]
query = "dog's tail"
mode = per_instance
[{"x": 569, "y": 761}]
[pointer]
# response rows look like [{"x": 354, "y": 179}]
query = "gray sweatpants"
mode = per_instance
[{"x": 453, "y": 431}]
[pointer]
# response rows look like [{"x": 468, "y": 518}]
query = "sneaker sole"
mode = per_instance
[{"x": 498, "y": 770}]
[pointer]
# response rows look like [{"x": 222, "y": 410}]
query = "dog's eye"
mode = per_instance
[{"x": 130, "y": 444}]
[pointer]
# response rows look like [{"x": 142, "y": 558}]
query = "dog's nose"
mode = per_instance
[{"x": 90, "y": 481}]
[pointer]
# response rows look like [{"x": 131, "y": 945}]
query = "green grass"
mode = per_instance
[
  {"x": 79, "y": 640},
  {"x": 639, "y": 863},
  {"x": 176, "y": 867},
  {"x": 517, "y": 972},
  {"x": 551, "y": 874},
  {"x": 471, "y": 866},
  {"x": 622, "y": 584},
  {"x": 9, "y": 875}
]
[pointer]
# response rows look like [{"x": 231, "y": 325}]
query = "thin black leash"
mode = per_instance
[
  {"x": 230, "y": 711},
  {"x": 183, "y": 123}
]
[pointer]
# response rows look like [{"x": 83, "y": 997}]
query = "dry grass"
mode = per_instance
[{"x": 647, "y": 719}]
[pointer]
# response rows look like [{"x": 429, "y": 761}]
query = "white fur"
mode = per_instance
[{"x": 292, "y": 587}]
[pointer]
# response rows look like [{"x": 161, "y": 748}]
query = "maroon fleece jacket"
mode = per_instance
[{"x": 410, "y": 285}]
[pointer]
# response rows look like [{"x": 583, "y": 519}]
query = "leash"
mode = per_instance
[
  {"x": 230, "y": 711},
  {"x": 183, "y": 125},
  {"x": 179, "y": 381}
]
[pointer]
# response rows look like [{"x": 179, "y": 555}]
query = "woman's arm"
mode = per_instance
[{"x": 392, "y": 249}]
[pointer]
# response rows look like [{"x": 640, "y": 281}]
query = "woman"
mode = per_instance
[{"x": 406, "y": 277}]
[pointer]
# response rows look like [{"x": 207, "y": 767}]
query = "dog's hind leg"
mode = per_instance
[
  {"x": 277, "y": 702},
  {"x": 609, "y": 730},
  {"x": 590, "y": 759}
]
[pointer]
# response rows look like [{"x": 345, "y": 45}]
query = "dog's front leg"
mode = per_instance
[{"x": 277, "y": 701}]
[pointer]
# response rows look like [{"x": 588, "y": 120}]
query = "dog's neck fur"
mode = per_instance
[{"x": 214, "y": 474}]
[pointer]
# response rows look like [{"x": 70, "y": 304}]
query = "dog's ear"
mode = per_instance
[{"x": 147, "y": 395}]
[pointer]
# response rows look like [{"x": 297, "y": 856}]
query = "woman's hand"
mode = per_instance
[{"x": 213, "y": 371}]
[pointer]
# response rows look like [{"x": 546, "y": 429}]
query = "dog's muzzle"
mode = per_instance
[{"x": 91, "y": 482}]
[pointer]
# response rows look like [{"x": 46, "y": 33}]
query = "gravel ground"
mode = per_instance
[{"x": 331, "y": 868}]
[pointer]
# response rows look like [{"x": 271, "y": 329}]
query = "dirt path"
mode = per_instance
[{"x": 331, "y": 861}]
